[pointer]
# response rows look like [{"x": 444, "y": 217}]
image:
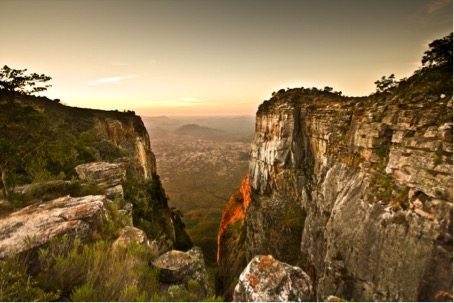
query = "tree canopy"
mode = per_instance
[
  {"x": 17, "y": 80},
  {"x": 385, "y": 84},
  {"x": 439, "y": 52}
]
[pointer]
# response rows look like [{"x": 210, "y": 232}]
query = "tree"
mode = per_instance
[
  {"x": 439, "y": 52},
  {"x": 385, "y": 84},
  {"x": 328, "y": 89},
  {"x": 16, "y": 80}
]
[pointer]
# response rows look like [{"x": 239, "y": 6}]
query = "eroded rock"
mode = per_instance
[
  {"x": 266, "y": 279},
  {"x": 131, "y": 234},
  {"x": 35, "y": 225},
  {"x": 103, "y": 174},
  {"x": 177, "y": 267}
]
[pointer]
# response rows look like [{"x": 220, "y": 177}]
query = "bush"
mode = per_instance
[
  {"x": 97, "y": 272},
  {"x": 17, "y": 285}
]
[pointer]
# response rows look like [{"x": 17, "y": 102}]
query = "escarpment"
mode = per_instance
[
  {"x": 355, "y": 191},
  {"x": 81, "y": 168}
]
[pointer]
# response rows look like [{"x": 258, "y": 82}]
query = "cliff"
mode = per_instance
[
  {"x": 123, "y": 133},
  {"x": 57, "y": 150},
  {"x": 355, "y": 191}
]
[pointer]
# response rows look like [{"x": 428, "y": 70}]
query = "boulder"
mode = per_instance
[
  {"x": 130, "y": 234},
  {"x": 103, "y": 174},
  {"x": 266, "y": 279},
  {"x": 35, "y": 225},
  {"x": 177, "y": 267}
]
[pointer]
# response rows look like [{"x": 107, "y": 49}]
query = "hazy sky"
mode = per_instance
[{"x": 214, "y": 57}]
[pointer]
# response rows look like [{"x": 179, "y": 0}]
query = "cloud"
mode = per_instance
[
  {"x": 110, "y": 80},
  {"x": 434, "y": 6}
]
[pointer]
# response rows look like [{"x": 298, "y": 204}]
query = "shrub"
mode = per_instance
[
  {"x": 97, "y": 272},
  {"x": 17, "y": 285}
]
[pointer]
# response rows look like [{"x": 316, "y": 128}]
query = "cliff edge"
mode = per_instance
[{"x": 355, "y": 191}]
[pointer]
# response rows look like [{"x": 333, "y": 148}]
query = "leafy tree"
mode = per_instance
[
  {"x": 385, "y": 84},
  {"x": 439, "y": 52},
  {"x": 16, "y": 80}
]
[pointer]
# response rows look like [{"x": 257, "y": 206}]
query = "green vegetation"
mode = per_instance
[
  {"x": 97, "y": 272},
  {"x": 17, "y": 285},
  {"x": 71, "y": 270},
  {"x": 38, "y": 146},
  {"x": 151, "y": 212}
]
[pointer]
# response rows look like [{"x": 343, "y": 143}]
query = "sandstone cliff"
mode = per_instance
[{"x": 355, "y": 191}]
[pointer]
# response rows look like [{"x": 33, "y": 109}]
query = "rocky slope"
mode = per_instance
[
  {"x": 89, "y": 200},
  {"x": 355, "y": 191}
]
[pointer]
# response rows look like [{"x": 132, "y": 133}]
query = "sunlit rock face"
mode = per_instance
[
  {"x": 235, "y": 210},
  {"x": 266, "y": 279},
  {"x": 130, "y": 135},
  {"x": 36, "y": 225},
  {"x": 356, "y": 191},
  {"x": 231, "y": 254}
]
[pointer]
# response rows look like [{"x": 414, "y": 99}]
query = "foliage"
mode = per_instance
[
  {"x": 97, "y": 272},
  {"x": 386, "y": 84},
  {"x": 439, "y": 52},
  {"x": 149, "y": 200},
  {"x": 17, "y": 285},
  {"x": 16, "y": 80},
  {"x": 36, "y": 146},
  {"x": 71, "y": 270}
]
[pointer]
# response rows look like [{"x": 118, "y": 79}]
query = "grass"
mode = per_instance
[{"x": 90, "y": 272}]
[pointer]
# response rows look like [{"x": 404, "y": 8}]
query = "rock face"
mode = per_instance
[
  {"x": 177, "y": 267},
  {"x": 231, "y": 255},
  {"x": 355, "y": 191},
  {"x": 265, "y": 279},
  {"x": 128, "y": 133},
  {"x": 103, "y": 174},
  {"x": 35, "y": 225}
]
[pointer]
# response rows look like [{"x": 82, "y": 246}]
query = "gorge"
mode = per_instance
[{"x": 345, "y": 199}]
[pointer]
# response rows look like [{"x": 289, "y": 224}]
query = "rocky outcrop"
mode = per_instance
[
  {"x": 103, "y": 174},
  {"x": 131, "y": 234},
  {"x": 177, "y": 268},
  {"x": 266, "y": 279},
  {"x": 35, "y": 225},
  {"x": 130, "y": 135},
  {"x": 117, "y": 163},
  {"x": 356, "y": 191}
]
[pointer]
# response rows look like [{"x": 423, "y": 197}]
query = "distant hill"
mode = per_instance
[{"x": 198, "y": 131}]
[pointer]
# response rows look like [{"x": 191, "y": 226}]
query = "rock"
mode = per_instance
[
  {"x": 334, "y": 299},
  {"x": 130, "y": 234},
  {"x": 35, "y": 225},
  {"x": 103, "y": 174},
  {"x": 115, "y": 191},
  {"x": 330, "y": 179},
  {"x": 266, "y": 279},
  {"x": 177, "y": 267}
]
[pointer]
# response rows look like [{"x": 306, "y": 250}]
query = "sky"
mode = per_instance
[{"x": 213, "y": 57}]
